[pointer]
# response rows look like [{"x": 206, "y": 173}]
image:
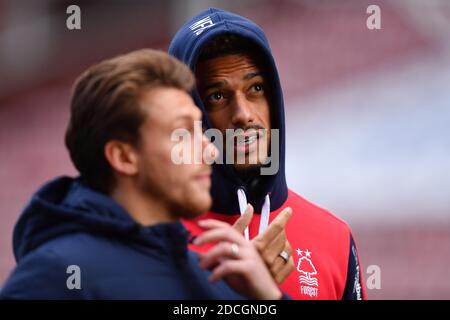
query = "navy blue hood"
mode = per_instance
[
  {"x": 187, "y": 46},
  {"x": 66, "y": 206}
]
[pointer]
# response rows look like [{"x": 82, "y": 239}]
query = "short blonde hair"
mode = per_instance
[{"x": 105, "y": 106}]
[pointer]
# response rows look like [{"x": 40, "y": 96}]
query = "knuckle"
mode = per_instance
[
  {"x": 274, "y": 268},
  {"x": 279, "y": 279},
  {"x": 258, "y": 245},
  {"x": 226, "y": 266},
  {"x": 249, "y": 264},
  {"x": 223, "y": 246},
  {"x": 288, "y": 247},
  {"x": 277, "y": 227},
  {"x": 268, "y": 260}
]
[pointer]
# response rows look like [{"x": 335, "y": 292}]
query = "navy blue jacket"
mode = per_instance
[{"x": 67, "y": 223}]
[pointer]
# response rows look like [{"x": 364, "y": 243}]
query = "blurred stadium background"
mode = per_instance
[{"x": 368, "y": 113}]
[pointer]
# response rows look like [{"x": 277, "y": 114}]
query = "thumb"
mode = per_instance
[{"x": 244, "y": 220}]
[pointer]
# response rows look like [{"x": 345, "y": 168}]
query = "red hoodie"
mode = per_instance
[{"x": 326, "y": 260}]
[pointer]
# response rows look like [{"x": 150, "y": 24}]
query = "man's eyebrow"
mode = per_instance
[
  {"x": 223, "y": 83},
  {"x": 217, "y": 84},
  {"x": 251, "y": 75},
  {"x": 185, "y": 117}
]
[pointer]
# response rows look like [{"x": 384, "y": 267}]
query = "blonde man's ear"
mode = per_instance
[{"x": 122, "y": 157}]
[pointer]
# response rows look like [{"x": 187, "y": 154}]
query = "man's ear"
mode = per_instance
[{"x": 122, "y": 157}]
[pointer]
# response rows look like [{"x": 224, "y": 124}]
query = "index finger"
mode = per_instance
[
  {"x": 277, "y": 226},
  {"x": 244, "y": 220},
  {"x": 218, "y": 234}
]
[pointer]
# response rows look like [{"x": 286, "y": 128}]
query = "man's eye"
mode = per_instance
[
  {"x": 257, "y": 87},
  {"x": 216, "y": 96}
]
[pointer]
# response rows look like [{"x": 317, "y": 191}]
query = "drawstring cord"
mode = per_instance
[
  {"x": 242, "y": 206},
  {"x": 265, "y": 212}
]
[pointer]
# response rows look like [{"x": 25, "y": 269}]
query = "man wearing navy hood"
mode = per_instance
[
  {"x": 238, "y": 88},
  {"x": 114, "y": 232}
]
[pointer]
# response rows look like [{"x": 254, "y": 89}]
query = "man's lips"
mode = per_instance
[
  {"x": 246, "y": 142},
  {"x": 204, "y": 177}
]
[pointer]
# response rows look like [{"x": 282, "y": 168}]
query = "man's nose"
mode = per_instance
[{"x": 242, "y": 111}]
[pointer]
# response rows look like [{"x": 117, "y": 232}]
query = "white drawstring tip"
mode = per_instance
[
  {"x": 242, "y": 207},
  {"x": 265, "y": 214}
]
